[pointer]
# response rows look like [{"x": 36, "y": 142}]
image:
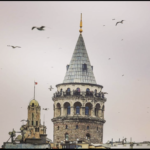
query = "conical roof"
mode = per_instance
[{"x": 77, "y": 72}]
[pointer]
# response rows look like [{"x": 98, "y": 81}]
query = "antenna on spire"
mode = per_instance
[{"x": 81, "y": 25}]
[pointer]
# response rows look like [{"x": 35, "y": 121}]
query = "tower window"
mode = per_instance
[
  {"x": 68, "y": 110},
  {"x": 76, "y": 126},
  {"x": 32, "y": 123},
  {"x": 36, "y": 129},
  {"x": 86, "y": 110},
  {"x": 36, "y": 123},
  {"x": 77, "y": 110},
  {"x": 66, "y": 137},
  {"x": 88, "y": 136},
  {"x": 66, "y": 127},
  {"x": 87, "y": 127},
  {"x": 58, "y": 127},
  {"x": 84, "y": 67},
  {"x": 32, "y": 104}
]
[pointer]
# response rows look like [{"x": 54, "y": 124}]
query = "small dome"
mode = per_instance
[{"x": 34, "y": 102}]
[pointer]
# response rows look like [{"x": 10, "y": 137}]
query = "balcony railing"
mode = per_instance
[{"x": 79, "y": 93}]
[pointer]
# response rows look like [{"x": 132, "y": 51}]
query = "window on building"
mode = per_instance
[
  {"x": 95, "y": 91},
  {"x": 87, "y": 127},
  {"x": 78, "y": 89},
  {"x": 58, "y": 127},
  {"x": 76, "y": 126},
  {"x": 32, "y": 104},
  {"x": 86, "y": 110},
  {"x": 36, "y": 123},
  {"x": 66, "y": 137},
  {"x": 84, "y": 67},
  {"x": 32, "y": 123},
  {"x": 36, "y": 129},
  {"x": 66, "y": 127},
  {"x": 68, "y": 110},
  {"x": 87, "y": 89},
  {"x": 77, "y": 110},
  {"x": 68, "y": 90},
  {"x": 88, "y": 136}
]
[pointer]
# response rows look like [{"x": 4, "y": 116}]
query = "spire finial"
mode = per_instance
[{"x": 81, "y": 25}]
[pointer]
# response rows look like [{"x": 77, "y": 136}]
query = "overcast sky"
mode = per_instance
[{"x": 43, "y": 59}]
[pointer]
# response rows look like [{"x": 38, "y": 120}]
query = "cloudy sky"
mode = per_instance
[{"x": 43, "y": 57}]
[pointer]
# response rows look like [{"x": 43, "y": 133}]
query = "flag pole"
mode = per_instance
[{"x": 34, "y": 89}]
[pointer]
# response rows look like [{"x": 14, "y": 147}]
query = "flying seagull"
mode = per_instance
[
  {"x": 113, "y": 19},
  {"x": 103, "y": 25},
  {"x": 120, "y": 22},
  {"x": 50, "y": 88},
  {"x": 109, "y": 58},
  {"x": 14, "y": 46},
  {"x": 123, "y": 75},
  {"x": 122, "y": 40},
  {"x": 25, "y": 120},
  {"x": 39, "y": 28},
  {"x": 105, "y": 93},
  {"x": 45, "y": 108}
]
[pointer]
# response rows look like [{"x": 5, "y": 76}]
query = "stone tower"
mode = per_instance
[
  {"x": 33, "y": 131},
  {"x": 79, "y": 101}
]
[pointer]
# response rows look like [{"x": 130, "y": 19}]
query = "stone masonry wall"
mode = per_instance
[{"x": 96, "y": 136}]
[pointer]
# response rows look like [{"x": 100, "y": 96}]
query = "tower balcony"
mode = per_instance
[{"x": 82, "y": 94}]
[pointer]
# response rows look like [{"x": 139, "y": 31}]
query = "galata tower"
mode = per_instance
[{"x": 79, "y": 101}]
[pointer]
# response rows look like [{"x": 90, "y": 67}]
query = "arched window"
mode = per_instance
[
  {"x": 95, "y": 90},
  {"x": 88, "y": 136},
  {"x": 66, "y": 137},
  {"x": 32, "y": 104},
  {"x": 68, "y": 90},
  {"x": 77, "y": 110},
  {"x": 87, "y": 127},
  {"x": 78, "y": 89},
  {"x": 61, "y": 91},
  {"x": 87, "y": 89},
  {"x": 66, "y": 127},
  {"x": 68, "y": 110},
  {"x": 86, "y": 110},
  {"x": 76, "y": 126}
]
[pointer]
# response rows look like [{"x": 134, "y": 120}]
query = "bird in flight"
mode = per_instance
[
  {"x": 50, "y": 88},
  {"x": 120, "y": 22},
  {"x": 113, "y": 19},
  {"x": 109, "y": 58},
  {"x": 25, "y": 120},
  {"x": 45, "y": 108},
  {"x": 123, "y": 75},
  {"x": 103, "y": 25},
  {"x": 14, "y": 46},
  {"x": 39, "y": 28},
  {"x": 105, "y": 93},
  {"x": 122, "y": 40}
]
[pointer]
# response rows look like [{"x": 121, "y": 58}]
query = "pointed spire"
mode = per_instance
[
  {"x": 80, "y": 70},
  {"x": 81, "y": 25}
]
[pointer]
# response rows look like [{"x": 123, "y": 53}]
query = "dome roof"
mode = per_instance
[{"x": 34, "y": 102}]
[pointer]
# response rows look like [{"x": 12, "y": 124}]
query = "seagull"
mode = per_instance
[
  {"x": 45, "y": 108},
  {"x": 120, "y": 22},
  {"x": 123, "y": 75},
  {"x": 25, "y": 120},
  {"x": 14, "y": 46},
  {"x": 39, "y": 28},
  {"x": 122, "y": 40},
  {"x": 105, "y": 93},
  {"x": 113, "y": 19},
  {"x": 103, "y": 25},
  {"x": 50, "y": 88},
  {"x": 109, "y": 58}
]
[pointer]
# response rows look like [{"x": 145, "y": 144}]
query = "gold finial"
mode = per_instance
[{"x": 81, "y": 25}]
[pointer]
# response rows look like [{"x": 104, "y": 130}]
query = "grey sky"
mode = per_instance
[{"x": 128, "y": 95}]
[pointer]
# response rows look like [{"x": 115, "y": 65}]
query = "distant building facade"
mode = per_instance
[{"x": 79, "y": 102}]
